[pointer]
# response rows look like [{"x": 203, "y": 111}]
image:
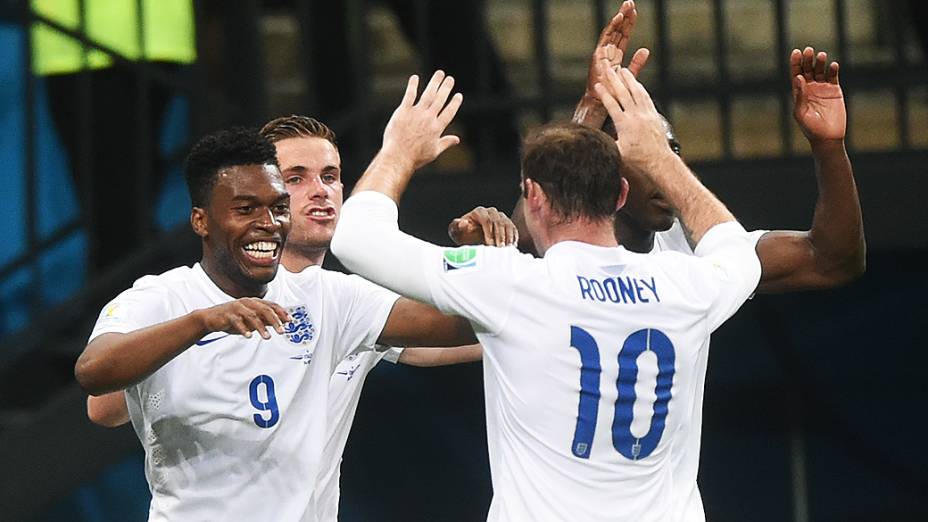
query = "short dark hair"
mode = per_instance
[
  {"x": 222, "y": 149},
  {"x": 577, "y": 167},
  {"x": 296, "y": 126}
]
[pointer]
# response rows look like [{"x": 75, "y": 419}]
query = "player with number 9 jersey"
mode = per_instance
[{"x": 236, "y": 424}]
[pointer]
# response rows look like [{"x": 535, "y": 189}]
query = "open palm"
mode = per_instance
[{"x": 819, "y": 103}]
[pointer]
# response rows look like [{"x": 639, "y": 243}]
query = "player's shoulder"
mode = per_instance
[{"x": 174, "y": 281}]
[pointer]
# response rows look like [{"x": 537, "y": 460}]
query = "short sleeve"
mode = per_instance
[
  {"x": 475, "y": 282},
  {"x": 729, "y": 266},
  {"x": 393, "y": 353},
  {"x": 364, "y": 309},
  {"x": 136, "y": 308}
]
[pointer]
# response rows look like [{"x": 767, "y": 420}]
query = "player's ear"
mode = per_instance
[
  {"x": 533, "y": 193},
  {"x": 623, "y": 195},
  {"x": 198, "y": 221}
]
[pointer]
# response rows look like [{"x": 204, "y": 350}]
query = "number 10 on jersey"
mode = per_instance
[{"x": 624, "y": 441}]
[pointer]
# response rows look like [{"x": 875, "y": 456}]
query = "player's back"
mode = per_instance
[{"x": 590, "y": 376}]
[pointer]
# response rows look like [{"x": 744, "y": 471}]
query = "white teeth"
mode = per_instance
[
  {"x": 261, "y": 249},
  {"x": 319, "y": 213}
]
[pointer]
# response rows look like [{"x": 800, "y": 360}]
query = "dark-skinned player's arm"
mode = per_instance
[
  {"x": 114, "y": 361},
  {"x": 833, "y": 252}
]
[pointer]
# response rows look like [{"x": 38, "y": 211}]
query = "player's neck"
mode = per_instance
[
  {"x": 633, "y": 237},
  {"x": 598, "y": 233},
  {"x": 231, "y": 286},
  {"x": 298, "y": 259}
]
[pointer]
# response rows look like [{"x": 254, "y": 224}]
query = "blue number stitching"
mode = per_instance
[
  {"x": 623, "y": 440},
  {"x": 270, "y": 405},
  {"x": 588, "y": 408},
  {"x": 637, "y": 343}
]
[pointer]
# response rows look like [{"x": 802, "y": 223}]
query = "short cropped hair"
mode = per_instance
[
  {"x": 577, "y": 167},
  {"x": 296, "y": 126},
  {"x": 223, "y": 149}
]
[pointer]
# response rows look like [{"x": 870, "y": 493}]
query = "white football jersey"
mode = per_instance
[
  {"x": 687, "y": 500},
  {"x": 591, "y": 362},
  {"x": 235, "y": 428},
  {"x": 344, "y": 394}
]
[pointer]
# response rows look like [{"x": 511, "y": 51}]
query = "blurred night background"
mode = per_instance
[{"x": 815, "y": 401}]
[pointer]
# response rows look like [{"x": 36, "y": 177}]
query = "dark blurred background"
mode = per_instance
[{"x": 814, "y": 401}]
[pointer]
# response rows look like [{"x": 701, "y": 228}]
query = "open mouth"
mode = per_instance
[
  {"x": 262, "y": 251},
  {"x": 321, "y": 214}
]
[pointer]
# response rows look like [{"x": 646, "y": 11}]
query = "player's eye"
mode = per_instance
[
  {"x": 244, "y": 210},
  {"x": 282, "y": 209},
  {"x": 293, "y": 180},
  {"x": 329, "y": 178}
]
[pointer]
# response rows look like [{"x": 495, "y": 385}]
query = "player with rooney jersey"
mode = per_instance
[
  {"x": 233, "y": 424},
  {"x": 590, "y": 353}
]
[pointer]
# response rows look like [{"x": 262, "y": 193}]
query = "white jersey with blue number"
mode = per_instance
[
  {"x": 687, "y": 500},
  {"x": 235, "y": 428},
  {"x": 344, "y": 394},
  {"x": 591, "y": 363}
]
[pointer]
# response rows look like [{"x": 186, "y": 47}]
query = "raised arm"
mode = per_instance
[
  {"x": 643, "y": 145},
  {"x": 611, "y": 47},
  {"x": 114, "y": 361},
  {"x": 833, "y": 251}
]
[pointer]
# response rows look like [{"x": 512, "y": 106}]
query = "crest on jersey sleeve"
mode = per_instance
[
  {"x": 300, "y": 330},
  {"x": 460, "y": 258}
]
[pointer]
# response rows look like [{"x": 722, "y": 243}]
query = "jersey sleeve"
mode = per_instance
[
  {"x": 364, "y": 309},
  {"x": 468, "y": 281},
  {"x": 138, "y": 307},
  {"x": 393, "y": 353},
  {"x": 474, "y": 282},
  {"x": 728, "y": 265}
]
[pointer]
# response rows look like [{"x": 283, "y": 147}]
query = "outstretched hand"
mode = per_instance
[
  {"x": 641, "y": 137},
  {"x": 818, "y": 103},
  {"x": 415, "y": 129},
  {"x": 609, "y": 53},
  {"x": 483, "y": 226}
]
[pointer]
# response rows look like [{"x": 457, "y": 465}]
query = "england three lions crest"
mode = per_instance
[{"x": 300, "y": 329}]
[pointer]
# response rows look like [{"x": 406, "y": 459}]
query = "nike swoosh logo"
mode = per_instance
[{"x": 204, "y": 342}]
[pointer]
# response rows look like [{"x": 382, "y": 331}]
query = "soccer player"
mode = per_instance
[
  {"x": 578, "y": 344},
  {"x": 311, "y": 167},
  {"x": 232, "y": 422},
  {"x": 830, "y": 254}
]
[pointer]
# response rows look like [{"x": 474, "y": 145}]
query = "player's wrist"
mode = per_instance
[{"x": 827, "y": 146}]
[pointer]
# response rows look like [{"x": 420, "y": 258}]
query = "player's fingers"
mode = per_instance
[
  {"x": 808, "y": 59},
  {"x": 631, "y": 18},
  {"x": 499, "y": 235},
  {"x": 269, "y": 317},
  {"x": 446, "y": 142},
  {"x": 798, "y": 84},
  {"x": 512, "y": 233},
  {"x": 639, "y": 60},
  {"x": 795, "y": 63},
  {"x": 412, "y": 87},
  {"x": 610, "y": 33},
  {"x": 832, "y": 74},
  {"x": 483, "y": 219},
  {"x": 618, "y": 89},
  {"x": 450, "y": 111},
  {"x": 609, "y": 102},
  {"x": 237, "y": 325},
  {"x": 630, "y": 83},
  {"x": 441, "y": 96},
  {"x": 254, "y": 322},
  {"x": 431, "y": 88},
  {"x": 282, "y": 313},
  {"x": 821, "y": 60}
]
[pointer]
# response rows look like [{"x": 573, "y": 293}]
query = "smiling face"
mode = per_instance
[
  {"x": 244, "y": 227},
  {"x": 311, "y": 170}
]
